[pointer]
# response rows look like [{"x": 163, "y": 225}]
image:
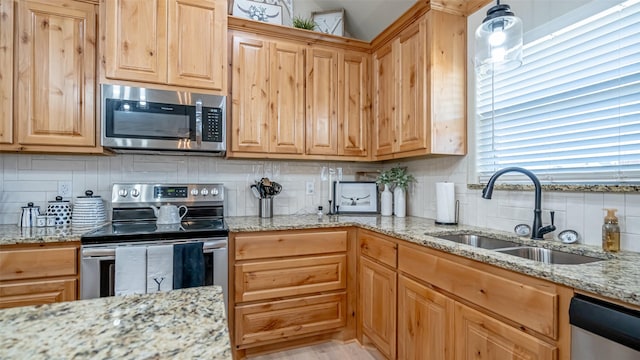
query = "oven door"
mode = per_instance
[{"x": 97, "y": 268}]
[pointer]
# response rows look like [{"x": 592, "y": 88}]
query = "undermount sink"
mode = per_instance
[
  {"x": 480, "y": 241},
  {"x": 547, "y": 256}
]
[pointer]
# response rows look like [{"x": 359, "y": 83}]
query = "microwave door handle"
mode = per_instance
[{"x": 198, "y": 123}]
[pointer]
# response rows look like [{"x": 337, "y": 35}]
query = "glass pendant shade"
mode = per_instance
[{"x": 498, "y": 41}]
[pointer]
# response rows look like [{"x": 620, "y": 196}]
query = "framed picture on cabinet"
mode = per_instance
[
  {"x": 269, "y": 11},
  {"x": 356, "y": 197},
  {"x": 329, "y": 22}
]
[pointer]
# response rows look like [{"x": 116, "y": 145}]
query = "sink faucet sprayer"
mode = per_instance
[{"x": 537, "y": 231}]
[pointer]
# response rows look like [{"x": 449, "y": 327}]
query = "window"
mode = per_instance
[{"x": 571, "y": 113}]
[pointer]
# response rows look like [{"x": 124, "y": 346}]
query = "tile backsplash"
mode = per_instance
[{"x": 36, "y": 178}]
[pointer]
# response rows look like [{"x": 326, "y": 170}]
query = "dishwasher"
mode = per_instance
[{"x": 603, "y": 331}]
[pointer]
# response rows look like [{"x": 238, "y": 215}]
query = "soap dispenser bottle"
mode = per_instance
[{"x": 611, "y": 232}]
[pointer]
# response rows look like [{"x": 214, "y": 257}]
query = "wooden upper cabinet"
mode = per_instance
[
  {"x": 56, "y": 73},
  {"x": 250, "y": 95},
  {"x": 411, "y": 125},
  {"x": 197, "y": 31},
  {"x": 174, "y": 42},
  {"x": 322, "y": 101},
  {"x": 286, "y": 92},
  {"x": 6, "y": 71},
  {"x": 267, "y": 96},
  {"x": 384, "y": 100},
  {"x": 419, "y": 88},
  {"x": 136, "y": 40},
  {"x": 354, "y": 103}
]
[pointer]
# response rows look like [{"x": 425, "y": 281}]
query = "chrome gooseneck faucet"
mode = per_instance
[{"x": 537, "y": 231}]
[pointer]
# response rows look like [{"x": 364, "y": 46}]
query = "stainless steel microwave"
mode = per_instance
[{"x": 158, "y": 121}]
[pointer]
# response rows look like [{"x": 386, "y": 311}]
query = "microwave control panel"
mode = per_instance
[{"x": 212, "y": 124}]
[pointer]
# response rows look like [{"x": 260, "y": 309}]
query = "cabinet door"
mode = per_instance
[
  {"x": 412, "y": 100},
  {"x": 6, "y": 71},
  {"x": 322, "y": 101},
  {"x": 479, "y": 336},
  {"x": 286, "y": 98},
  {"x": 197, "y": 40},
  {"x": 354, "y": 104},
  {"x": 250, "y": 97},
  {"x": 56, "y": 73},
  {"x": 136, "y": 40},
  {"x": 384, "y": 100},
  {"x": 37, "y": 292},
  {"x": 378, "y": 305},
  {"x": 425, "y": 322}
]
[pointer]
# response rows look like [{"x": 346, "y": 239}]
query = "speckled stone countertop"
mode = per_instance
[
  {"x": 180, "y": 324},
  {"x": 12, "y": 234},
  {"x": 617, "y": 277}
]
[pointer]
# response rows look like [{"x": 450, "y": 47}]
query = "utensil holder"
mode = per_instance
[{"x": 265, "y": 209}]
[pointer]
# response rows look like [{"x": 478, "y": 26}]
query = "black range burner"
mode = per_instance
[{"x": 141, "y": 231}]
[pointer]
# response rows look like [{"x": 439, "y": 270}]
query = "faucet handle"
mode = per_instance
[{"x": 553, "y": 215}]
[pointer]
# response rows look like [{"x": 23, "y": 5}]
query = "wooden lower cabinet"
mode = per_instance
[
  {"x": 478, "y": 336},
  {"x": 425, "y": 322},
  {"x": 291, "y": 287},
  {"x": 378, "y": 305},
  {"x": 35, "y": 275}
]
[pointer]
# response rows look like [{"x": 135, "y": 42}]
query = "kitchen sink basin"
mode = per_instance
[
  {"x": 480, "y": 241},
  {"x": 548, "y": 256}
]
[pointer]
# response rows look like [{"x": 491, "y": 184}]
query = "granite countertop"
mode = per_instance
[
  {"x": 13, "y": 234},
  {"x": 182, "y": 324},
  {"x": 618, "y": 277}
]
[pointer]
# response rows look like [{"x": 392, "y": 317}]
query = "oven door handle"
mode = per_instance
[
  {"x": 110, "y": 253},
  {"x": 210, "y": 246}
]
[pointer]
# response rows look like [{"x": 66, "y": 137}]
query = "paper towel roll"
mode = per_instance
[{"x": 445, "y": 203}]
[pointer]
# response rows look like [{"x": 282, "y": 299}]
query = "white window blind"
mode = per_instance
[{"x": 571, "y": 113}]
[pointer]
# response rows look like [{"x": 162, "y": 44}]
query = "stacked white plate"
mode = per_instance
[{"x": 88, "y": 212}]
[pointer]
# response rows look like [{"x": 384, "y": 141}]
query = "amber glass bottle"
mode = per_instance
[{"x": 611, "y": 232}]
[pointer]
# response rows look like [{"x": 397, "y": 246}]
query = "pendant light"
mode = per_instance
[{"x": 498, "y": 41}]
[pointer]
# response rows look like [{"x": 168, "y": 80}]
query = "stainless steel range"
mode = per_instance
[{"x": 135, "y": 224}]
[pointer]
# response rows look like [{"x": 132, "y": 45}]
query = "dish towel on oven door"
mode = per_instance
[
  {"x": 131, "y": 270},
  {"x": 159, "y": 268},
  {"x": 188, "y": 265}
]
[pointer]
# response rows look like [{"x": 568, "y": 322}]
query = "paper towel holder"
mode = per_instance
[{"x": 456, "y": 217}]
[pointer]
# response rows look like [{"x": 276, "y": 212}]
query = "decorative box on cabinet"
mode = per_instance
[
  {"x": 55, "y": 72},
  {"x": 291, "y": 287},
  {"x": 31, "y": 275},
  {"x": 170, "y": 42}
]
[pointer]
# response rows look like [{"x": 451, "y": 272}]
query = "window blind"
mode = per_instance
[{"x": 571, "y": 113}]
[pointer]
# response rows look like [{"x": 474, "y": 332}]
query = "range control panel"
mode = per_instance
[{"x": 166, "y": 193}]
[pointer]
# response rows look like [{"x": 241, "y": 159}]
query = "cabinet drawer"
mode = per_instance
[
  {"x": 37, "y": 292},
  {"x": 257, "y": 246},
  {"x": 37, "y": 263},
  {"x": 288, "y": 277},
  {"x": 524, "y": 304},
  {"x": 382, "y": 250},
  {"x": 275, "y": 321}
]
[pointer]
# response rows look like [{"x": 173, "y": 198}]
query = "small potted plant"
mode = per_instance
[{"x": 304, "y": 23}]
